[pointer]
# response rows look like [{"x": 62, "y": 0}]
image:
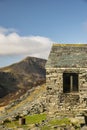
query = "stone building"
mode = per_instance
[{"x": 66, "y": 78}]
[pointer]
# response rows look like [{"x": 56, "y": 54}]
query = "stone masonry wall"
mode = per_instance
[{"x": 59, "y": 101}]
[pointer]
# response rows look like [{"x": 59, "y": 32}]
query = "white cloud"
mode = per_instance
[{"x": 11, "y": 43}]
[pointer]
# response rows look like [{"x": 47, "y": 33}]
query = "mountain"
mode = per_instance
[{"x": 17, "y": 78}]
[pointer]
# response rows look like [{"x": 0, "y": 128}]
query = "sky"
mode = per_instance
[{"x": 30, "y": 27}]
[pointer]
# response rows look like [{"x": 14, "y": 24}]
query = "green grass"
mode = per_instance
[
  {"x": 37, "y": 118},
  {"x": 54, "y": 122},
  {"x": 65, "y": 121},
  {"x": 11, "y": 124},
  {"x": 30, "y": 119}
]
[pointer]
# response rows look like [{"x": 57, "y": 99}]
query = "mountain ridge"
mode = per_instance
[{"x": 19, "y": 77}]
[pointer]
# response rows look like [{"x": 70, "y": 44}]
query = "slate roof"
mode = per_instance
[{"x": 67, "y": 55}]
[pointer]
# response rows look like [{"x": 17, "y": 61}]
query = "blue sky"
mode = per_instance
[{"x": 29, "y": 27}]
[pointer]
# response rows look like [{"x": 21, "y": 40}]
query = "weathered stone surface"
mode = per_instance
[
  {"x": 20, "y": 128},
  {"x": 84, "y": 128}
]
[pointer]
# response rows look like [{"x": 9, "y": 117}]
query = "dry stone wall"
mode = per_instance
[{"x": 56, "y": 99}]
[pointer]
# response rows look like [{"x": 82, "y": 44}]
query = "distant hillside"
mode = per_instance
[{"x": 16, "y": 79}]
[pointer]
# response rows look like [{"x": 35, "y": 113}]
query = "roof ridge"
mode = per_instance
[{"x": 65, "y": 44}]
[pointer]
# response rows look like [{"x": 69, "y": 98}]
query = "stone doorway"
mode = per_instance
[{"x": 70, "y": 82}]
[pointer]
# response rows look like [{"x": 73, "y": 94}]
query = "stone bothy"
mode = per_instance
[{"x": 66, "y": 78}]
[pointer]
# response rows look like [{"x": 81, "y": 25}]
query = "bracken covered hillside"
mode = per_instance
[{"x": 16, "y": 79}]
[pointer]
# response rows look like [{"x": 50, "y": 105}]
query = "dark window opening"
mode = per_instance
[{"x": 70, "y": 82}]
